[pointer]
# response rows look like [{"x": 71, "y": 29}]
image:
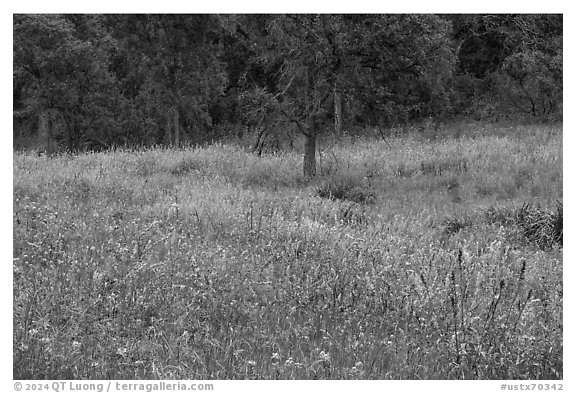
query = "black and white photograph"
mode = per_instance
[{"x": 287, "y": 196}]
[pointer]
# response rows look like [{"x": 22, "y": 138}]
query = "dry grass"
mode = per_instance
[{"x": 217, "y": 264}]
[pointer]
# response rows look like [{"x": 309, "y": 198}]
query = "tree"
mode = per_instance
[
  {"x": 513, "y": 60},
  {"x": 306, "y": 76},
  {"x": 379, "y": 63},
  {"x": 531, "y": 81},
  {"x": 93, "y": 81},
  {"x": 530, "y": 78},
  {"x": 62, "y": 77},
  {"x": 170, "y": 64}
]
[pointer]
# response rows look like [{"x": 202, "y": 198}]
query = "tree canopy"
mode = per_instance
[{"x": 97, "y": 81}]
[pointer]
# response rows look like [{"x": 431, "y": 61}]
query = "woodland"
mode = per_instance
[{"x": 95, "y": 82}]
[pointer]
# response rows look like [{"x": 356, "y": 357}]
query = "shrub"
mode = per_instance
[
  {"x": 453, "y": 225},
  {"x": 499, "y": 215},
  {"x": 542, "y": 227},
  {"x": 347, "y": 188},
  {"x": 534, "y": 223}
]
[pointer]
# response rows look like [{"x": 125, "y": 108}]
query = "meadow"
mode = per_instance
[{"x": 407, "y": 258}]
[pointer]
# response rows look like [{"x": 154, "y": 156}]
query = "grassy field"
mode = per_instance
[{"x": 408, "y": 258}]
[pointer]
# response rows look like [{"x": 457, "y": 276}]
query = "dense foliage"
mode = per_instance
[{"x": 97, "y": 81}]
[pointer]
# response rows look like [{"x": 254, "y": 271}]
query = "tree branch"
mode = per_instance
[
  {"x": 286, "y": 88},
  {"x": 302, "y": 127}
]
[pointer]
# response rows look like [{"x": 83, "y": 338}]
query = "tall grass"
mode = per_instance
[{"x": 213, "y": 263}]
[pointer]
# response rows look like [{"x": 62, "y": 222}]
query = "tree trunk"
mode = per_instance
[
  {"x": 337, "y": 111},
  {"x": 310, "y": 150},
  {"x": 312, "y": 132},
  {"x": 172, "y": 136},
  {"x": 45, "y": 130},
  {"x": 176, "y": 125},
  {"x": 69, "y": 129},
  {"x": 76, "y": 134},
  {"x": 168, "y": 133},
  {"x": 69, "y": 138}
]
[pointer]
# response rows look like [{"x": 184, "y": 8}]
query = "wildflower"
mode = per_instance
[
  {"x": 122, "y": 351},
  {"x": 76, "y": 344},
  {"x": 275, "y": 358},
  {"x": 289, "y": 361},
  {"x": 357, "y": 370},
  {"x": 250, "y": 367},
  {"x": 325, "y": 358}
]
